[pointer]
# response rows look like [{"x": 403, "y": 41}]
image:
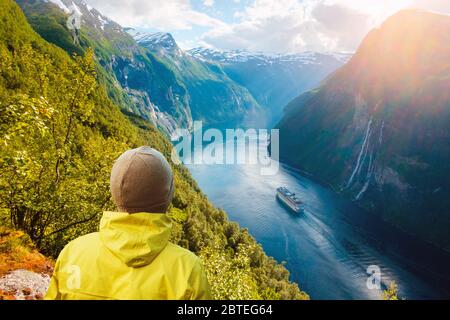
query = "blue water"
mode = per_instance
[{"x": 329, "y": 247}]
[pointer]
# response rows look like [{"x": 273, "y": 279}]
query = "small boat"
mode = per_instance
[{"x": 290, "y": 200}]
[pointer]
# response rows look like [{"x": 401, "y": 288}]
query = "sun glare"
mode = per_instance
[{"x": 379, "y": 10}]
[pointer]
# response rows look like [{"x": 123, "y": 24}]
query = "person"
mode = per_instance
[{"x": 131, "y": 257}]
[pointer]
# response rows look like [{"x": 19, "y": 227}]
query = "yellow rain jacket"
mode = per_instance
[{"x": 130, "y": 258}]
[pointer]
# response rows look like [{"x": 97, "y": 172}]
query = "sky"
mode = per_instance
[{"x": 275, "y": 26}]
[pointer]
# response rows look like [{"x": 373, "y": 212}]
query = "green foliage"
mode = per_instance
[
  {"x": 392, "y": 292},
  {"x": 178, "y": 215},
  {"x": 50, "y": 26},
  {"x": 229, "y": 274},
  {"x": 180, "y": 86},
  {"x": 12, "y": 239},
  {"x": 59, "y": 136},
  {"x": 53, "y": 163}
]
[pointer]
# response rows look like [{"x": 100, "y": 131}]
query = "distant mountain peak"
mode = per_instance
[
  {"x": 88, "y": 14},
  {"x": 159, "y": 42},
  {"x": 399, "y": 55},
  {"x": 241, "y": 56},
  {"x": 60, "y": 4}
]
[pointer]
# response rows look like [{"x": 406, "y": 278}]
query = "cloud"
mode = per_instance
[
  {"x": 163, "y": 15},
  {"x": 292, "y": 26},
  {"x": 265, "y": 25},
  {"x": 317, "y": 25},
  {"x": 442, "y": 6},
  {"x": 344, "y": 26}
]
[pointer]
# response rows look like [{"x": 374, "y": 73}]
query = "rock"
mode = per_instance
[{"x": 25, "y": 285}]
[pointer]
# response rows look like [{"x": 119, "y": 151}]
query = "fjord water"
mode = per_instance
[{"x": 328, "y": 248}]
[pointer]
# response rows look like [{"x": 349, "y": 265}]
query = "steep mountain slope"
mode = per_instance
[
  {"x": 274, "y": 80},
  {"x": 135, "y": 78},
  {"x": 161, "y": 43},
  {"x": 59, "y": 136},
  {"x": 213, "y": 96},
  {"x": 147, "y": 82},
  {"x": 379, "y": 128}
]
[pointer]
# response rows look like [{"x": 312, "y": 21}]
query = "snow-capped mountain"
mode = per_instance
[
  {"x": 87, "y": 14},
  {"x": 60, "y": 4},
  {"x": 274, "y": 79},
  {"x": 161, "y": 43},
  {"x": 242, "y": 56},
  {"x": 212, "y": 95},
  {"x": 234, "y": 82}
]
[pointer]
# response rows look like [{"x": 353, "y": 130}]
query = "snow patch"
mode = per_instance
[
  {"x": 343, "y": 57},
  {"x": 241, "y": 56},
  {"x": 103, "y": 21},
  {"x": 60, "y": 4},
  {"x": 75, "y": 9}
]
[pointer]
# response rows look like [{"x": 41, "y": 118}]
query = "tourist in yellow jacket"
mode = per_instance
[{"x": 131, "y": 256}]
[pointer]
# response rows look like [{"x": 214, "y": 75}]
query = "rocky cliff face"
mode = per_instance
[
  {"x": 150, "y": 75},
  {"x": 212, "y": 95},
  {"x": 135, "y": 78},
  {"x": 379, "y": 129}
]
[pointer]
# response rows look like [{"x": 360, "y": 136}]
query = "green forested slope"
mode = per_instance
[
  {"x": 133, "y": 77},
  {"x": 59, "y": 135},
  {"x": 213, "y": 96},
  {"x": 171, "y": 92}
]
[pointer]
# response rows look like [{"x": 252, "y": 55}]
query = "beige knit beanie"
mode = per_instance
[{"x": 142, "y": 181}]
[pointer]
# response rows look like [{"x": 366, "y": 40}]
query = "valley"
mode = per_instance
[
  {"x": 331, "y": 246},
  {"x": 364, "y": 141},
  {"x": 378, "y": 129}
]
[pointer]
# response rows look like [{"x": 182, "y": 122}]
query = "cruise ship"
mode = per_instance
[{"x": 290, "y": 200}]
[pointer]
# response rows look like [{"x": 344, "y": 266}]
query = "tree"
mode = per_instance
[
  {"x": 54, "y": 167},
  {"x": 59, "y": 136},
  {"x": 229, "y": 275}
]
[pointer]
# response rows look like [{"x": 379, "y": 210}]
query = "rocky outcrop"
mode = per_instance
[{"x": 24, "y": 272}]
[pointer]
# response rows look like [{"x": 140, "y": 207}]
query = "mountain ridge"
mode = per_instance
[
  {"x": 143, "y": 81},
  {"x": 274, "y": 79},
  {"x": 60, "y": 133},
  {"x": 147, "y": 79},
  {"x": 377, "y": 129},
  {"x": 245, "y": 55}
]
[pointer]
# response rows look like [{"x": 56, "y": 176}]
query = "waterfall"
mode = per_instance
[
  {"x": 363, "y": 190},
  {"x": 362, "y": 153},
  {"x": 381, "y": 134},
  {"x": 368, "y": 178},
  {"x": 366, "y": 151}
]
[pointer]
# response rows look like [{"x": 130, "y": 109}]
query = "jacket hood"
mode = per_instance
[{"x": 136, "y": 239}]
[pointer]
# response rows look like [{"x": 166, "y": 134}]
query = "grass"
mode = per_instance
[{"x": 18, "y": 252}]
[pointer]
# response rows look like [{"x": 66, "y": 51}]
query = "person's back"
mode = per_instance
[{"x": 131, "y": 256}]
